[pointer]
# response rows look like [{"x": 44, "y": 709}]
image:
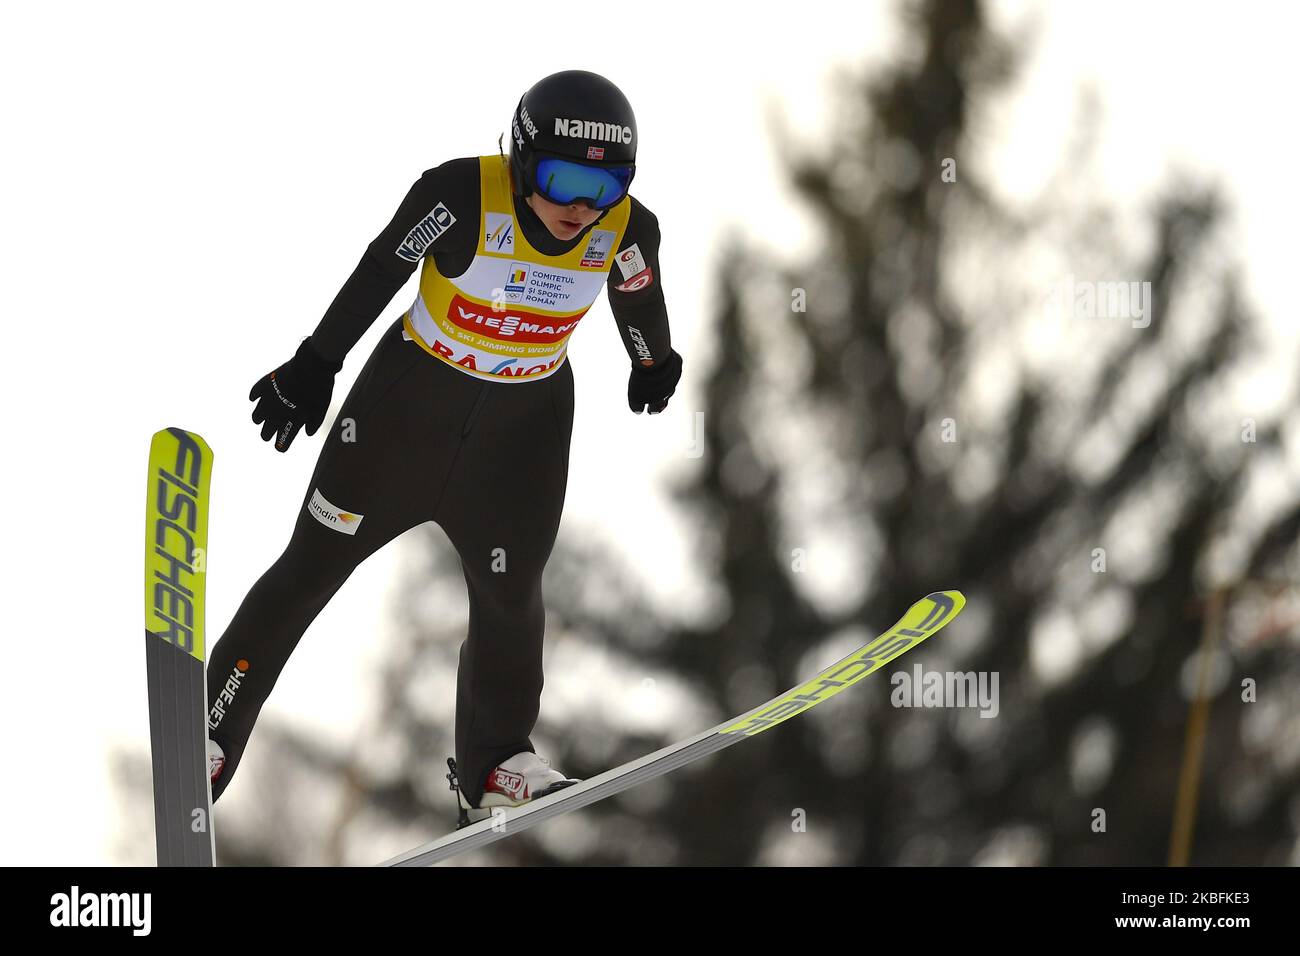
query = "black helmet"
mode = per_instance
[{"x": 577, "y": 116}]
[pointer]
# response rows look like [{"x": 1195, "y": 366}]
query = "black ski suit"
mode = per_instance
[{"x": 486, "y": 460}]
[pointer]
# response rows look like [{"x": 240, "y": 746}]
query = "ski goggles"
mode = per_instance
[{"x": 563, "y": 181}]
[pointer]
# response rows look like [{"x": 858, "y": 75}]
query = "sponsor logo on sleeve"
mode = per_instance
[
  {"x": 642, "y": 350},
  {"x": 438, "y": 221},
  {"x": 226, "y": 696},
  {"x": 331, "y": 516},
  {"x": 637, "y": 282},
  {"x": 630, "y": 261}
]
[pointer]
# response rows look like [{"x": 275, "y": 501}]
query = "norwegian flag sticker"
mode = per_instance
[{"x": 595, "y": 152}]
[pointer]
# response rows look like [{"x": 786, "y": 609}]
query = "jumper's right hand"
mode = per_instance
[{"x": 295, "y": 395}]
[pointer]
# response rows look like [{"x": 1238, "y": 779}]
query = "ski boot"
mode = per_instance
[
  {"x": 512, "y": 783},
  {"x": 216, "y": 760}
]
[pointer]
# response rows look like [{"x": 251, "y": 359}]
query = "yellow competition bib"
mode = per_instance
[{"x": 509, "y": 316}]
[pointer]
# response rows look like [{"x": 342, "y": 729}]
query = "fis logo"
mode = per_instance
[
  {"x": 598, "y": 248},
  {"x": 226, "y": 697},
  {"x": 592, "y": 129},
  {"x": 438, "y": 221},
  {"x": 499, "y": 233}
]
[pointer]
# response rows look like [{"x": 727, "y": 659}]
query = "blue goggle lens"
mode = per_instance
[{"x": 562, "y": 181}]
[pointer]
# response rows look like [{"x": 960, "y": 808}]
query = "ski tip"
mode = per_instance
[
  {"x": 926, "y": 617},
  {"x": 952, "y": 598},
  {"x": 178, "y": 433}
]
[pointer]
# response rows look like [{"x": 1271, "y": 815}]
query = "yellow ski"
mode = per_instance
[
  {"x": 927, "y": 616},
  {"x": 175, "y": 564}
]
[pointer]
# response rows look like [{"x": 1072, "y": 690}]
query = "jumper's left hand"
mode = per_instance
[{"x": 654, "y": 386}]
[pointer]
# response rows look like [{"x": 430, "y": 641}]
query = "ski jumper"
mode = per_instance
[{"x": 462, "y": 415}]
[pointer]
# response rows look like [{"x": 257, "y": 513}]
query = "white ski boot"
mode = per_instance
[
  {"x": 512, "y": 783},
  {"x": 216, "y": 760}
]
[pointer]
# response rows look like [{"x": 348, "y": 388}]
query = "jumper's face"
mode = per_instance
[{"x": 564, "y": 222}]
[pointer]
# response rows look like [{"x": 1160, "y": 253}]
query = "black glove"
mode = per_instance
[
  {"x": 295, "y": 394},
  {"x": 654, "y": 386}
]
